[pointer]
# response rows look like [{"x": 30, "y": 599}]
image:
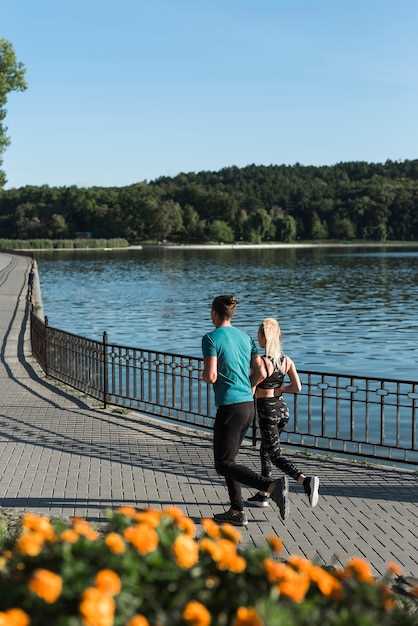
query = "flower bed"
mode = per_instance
[{"x": 148, "y": 569}]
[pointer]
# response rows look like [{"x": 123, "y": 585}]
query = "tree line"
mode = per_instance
[{"x": 346, "y": 201}]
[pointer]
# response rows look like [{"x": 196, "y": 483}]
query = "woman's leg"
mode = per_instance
[{"x": 269, "y": 412}]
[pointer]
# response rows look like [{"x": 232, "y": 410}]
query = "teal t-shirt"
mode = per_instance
[{"x": 234, "y": 350}]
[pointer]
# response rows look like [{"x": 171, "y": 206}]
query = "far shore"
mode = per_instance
[{"x": 233, "y": 246}]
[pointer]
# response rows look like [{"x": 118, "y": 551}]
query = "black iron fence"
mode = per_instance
[{"x": 360, "y": 415}]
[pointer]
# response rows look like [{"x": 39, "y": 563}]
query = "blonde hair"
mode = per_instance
[{"x": 270, "y": 328}]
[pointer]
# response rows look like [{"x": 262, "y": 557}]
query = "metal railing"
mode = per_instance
[{"x": 360, "y": 415}]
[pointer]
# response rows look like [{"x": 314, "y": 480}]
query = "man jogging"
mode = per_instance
[{"x": 229, "y": 356}]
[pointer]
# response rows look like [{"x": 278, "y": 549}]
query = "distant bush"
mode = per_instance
[{"x": 57, "y": 244}]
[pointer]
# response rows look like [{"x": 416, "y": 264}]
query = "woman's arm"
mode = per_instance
[
  {"x": 210, "y": 369},
  {"x": 258, "y": 371},
  {"x": 295, "y": 384}
]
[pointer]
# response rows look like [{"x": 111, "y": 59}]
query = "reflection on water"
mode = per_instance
[{"x": 347, "y": 310}]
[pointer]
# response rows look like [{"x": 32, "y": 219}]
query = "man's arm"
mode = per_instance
[
  {"x": 210, "y": 369},
  {"x": 258, "y": 371}
]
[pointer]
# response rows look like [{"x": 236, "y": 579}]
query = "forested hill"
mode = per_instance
[{"x": 356, "y": 200}]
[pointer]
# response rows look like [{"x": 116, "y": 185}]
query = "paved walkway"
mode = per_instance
[{"x": 60, "y": 456}]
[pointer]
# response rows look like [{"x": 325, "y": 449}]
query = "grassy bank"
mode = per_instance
[{"x": 61, "y": 244}]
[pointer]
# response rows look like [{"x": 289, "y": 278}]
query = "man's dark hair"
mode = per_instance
[{"x": 224, "y": 306}]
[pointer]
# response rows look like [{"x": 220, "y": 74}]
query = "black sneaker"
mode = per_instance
[
  {"x": 236, "y": 518},
  {"x": 311, "y": 487},
  {"x": 260, "y": 499},
  {"x": 280, "y": 496}
]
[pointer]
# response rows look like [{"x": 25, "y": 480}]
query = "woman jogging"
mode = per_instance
[
  {"x": 229, "y": 354},
  {"x": 273, "y": 413}
]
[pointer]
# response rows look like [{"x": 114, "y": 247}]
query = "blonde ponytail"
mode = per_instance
[{"x": 271, "y": 330}]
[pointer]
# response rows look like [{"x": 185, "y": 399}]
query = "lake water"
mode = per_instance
[{"x": 341, "y": 310}]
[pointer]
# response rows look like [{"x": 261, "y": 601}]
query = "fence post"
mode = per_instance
[
  {"x": 105, "y": 377},
  {"x": 46, "y": 346},
  {"x": 255, "y": 424}
]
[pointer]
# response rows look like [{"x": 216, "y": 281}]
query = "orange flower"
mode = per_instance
[
  {"x": 231, "y": 533},
  {"x": 361, "y": 569},
  {"x": 211, "y": 528},
  {"x": 196, "y": 614},
  {"x": 277, "y": 571},
  {"x": 143, "y": 537},
  {"x": 70, "y": 536},
  {"x": 210, "y": 547},
  {"x": 276, "y": 544},
  {"x": 97, "y": 608},
  {"x": 229, "y": 559},
  {"x": 83, "y": 528},
  {"x": 327, "y": 584},
  {"x": 300, "y": 563},
  {"x": 174, "y": 512},
  {"x": 108, "y": 582},
  {"x": 46, "y": 585},
  {"x": 30, "y": 543},
  {"x": 39, "y": 524},
  {"x": 127, "y": 511},
  {"x": 152, "y": 518},
  {"x": 247, "y": 617},
  {"x": 296, "y": 588},
  {"x": 115, "y": 543},
  {"x": 394, "y": 568},
  {"x": 415, "y": 591},
  {"x": 186, "y": 551},
  {"x": 138, "y": 620},
  {"x": 389, "y": 601},
  {"x": 187, "y": 526},
  {"x": 16, "y": 617}
]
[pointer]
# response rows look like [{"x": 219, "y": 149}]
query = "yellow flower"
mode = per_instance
[
  {"x": 39, "y": 524},
  {"x": 229, "y": 559},
  {"x": 70, "y": 536},
  {"x": 83, "y": 528},
  {"x": 97, "y": 608},
  {"x": 186, "y": 551},
  {"x": 16, "y": 617},
  {"x": 247, "y": 617},
  {"x": 211, "y": 528},
  {"x": 295, "y": 588},
  {"x": 115, "y": 543},
  {"x": 138, "y": 620},
  {"x": 143, "y": 537},
  {"x": 276, "y": 544},
  {"x": 196, "y": 614},
  {"x": 394, "y": 568},
  {"x": 30, "y": 543},
  {"x": 210, "y": 547},
  {"x": 231, "y": 533},
  {"x": 361, "y": 569},
  {"x": 46, "y": 585},
  {"x": 127, "y": 511},
  {"x": 151, "y": 517},
  {"x": 108, "y": 582}
]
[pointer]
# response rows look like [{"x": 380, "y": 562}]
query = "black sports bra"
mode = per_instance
[{"x": 276, "y": 378}]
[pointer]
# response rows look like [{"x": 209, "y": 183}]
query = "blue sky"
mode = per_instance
[{"x": 131, "y": 90}]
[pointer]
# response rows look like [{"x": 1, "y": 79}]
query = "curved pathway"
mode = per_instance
[{"x": 61, "y": 456}]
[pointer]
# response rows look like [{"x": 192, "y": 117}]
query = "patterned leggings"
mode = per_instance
[{"x": 273, "y": 416}]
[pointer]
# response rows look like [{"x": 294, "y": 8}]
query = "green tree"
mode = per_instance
[
  {"x": 286, "y": 227},
  {"x": 220, "y": 231},
  {"x": 343, "y": 228},
  {"x": 12, "y": 78}
]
